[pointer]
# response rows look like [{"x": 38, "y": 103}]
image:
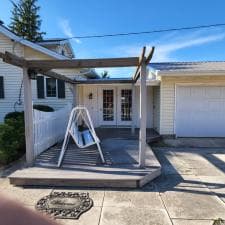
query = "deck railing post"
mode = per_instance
[
  {"x": 143, "y": 102},
  {"x": 28, "y": 117}
]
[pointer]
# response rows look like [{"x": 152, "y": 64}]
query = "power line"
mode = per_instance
[{"x": 147, "y": 32}]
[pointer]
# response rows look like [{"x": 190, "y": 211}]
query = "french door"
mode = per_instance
[
  {"x": 115, "y": 106},
  {"x": 124, "y": 106},
  {"x": 107, "y": 106}
]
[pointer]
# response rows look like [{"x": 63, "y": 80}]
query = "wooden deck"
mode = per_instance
[{"x": 83, "y": 167}]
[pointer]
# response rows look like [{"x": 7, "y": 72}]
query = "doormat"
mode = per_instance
[{"x": 65, "y": 205}]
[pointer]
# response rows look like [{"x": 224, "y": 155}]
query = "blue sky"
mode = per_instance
[{"x": 78, "y": 17}]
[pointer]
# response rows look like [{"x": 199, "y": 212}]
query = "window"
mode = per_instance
[
  {"x": 2, "y": 94},
  {"x": 50, "y": 87}
]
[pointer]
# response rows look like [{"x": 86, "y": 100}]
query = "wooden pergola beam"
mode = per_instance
[
  {"x": 83, "y": 63},
  {"x": 13, "y": 59},
  {"x": 21, "y": 62},
  {"x": 150, "y": 55},
  {"x": 70, "y": 63},
  {"x": 145, "y": 60},
  {"x": 55, "y": 75},
  {"x": 141, "y": 58}
]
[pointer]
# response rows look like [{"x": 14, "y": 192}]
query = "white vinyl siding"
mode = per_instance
[
  {"x": 13, "y": 77},
  {"x": 156, "y": 108}
]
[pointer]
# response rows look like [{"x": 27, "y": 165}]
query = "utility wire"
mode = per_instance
[{"x": 147, "y": 32}]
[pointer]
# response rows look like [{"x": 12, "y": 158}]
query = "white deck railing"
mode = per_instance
[{"x": 49, "y": 128}]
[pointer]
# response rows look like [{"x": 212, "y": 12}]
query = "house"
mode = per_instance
[
  {"x": 184, "y": 99},
  {"x": 175, "y": 99},
  {"x": 46, "y": 91}
]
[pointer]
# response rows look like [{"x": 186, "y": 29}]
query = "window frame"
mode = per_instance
[{"x": 56, "y": 86}]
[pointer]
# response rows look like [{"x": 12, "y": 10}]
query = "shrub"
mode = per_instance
[
  {"x": 14, "y": 115},
  {"x": 44, "y": 108},
  {"x": 12, "y": 139},
  {"x": 12, "y": 135}
]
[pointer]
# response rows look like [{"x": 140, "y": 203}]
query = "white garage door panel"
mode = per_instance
[{"x": 200, "y": 111}]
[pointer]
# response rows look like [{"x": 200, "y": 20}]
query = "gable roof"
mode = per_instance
[
  {"x": 185, "y": 68},
  {"x": 57, "y": 42},
  {"x": 5, "y": 31}
]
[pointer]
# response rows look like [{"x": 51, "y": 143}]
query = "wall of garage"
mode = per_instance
[{"x": 168, "y": 97}]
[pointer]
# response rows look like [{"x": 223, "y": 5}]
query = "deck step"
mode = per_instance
[{"x": 63, "y": 177}]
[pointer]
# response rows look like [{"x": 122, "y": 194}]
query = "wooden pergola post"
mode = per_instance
[
  {"x": 133, "y": 109},
  {"x": 28, "y": 116},
  {"x": 143, "y": 116}
]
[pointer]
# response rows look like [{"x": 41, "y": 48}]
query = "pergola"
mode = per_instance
[{"x": 45, "y": 67}]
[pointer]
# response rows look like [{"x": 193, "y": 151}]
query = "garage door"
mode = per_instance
[{"x": 200, "y": 111}]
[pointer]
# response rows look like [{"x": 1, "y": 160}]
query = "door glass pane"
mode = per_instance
[
  {"x": 126, "y": 105},
  {"x": 108, "y": 105}
]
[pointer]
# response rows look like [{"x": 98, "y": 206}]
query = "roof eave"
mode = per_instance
[
  {"x": 192, "y": 73},
  {"x": 30, "y": 44},
  {"x": 106, "y": 81}
]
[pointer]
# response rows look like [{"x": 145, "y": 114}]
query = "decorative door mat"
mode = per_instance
[
  {"x": 65, "y": 205},
  {"x": 219, "y": 222}
]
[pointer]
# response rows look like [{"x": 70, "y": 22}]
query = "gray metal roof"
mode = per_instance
[
  {"x": 107, "y": 81},
  {"x": 51, "y": 40},
  {"x": 188, "y": 66}
]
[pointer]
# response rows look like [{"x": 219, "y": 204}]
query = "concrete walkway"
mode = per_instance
[{"x": 191, "y": 191}]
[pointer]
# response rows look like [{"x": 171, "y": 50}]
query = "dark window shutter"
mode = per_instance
[
  {"x": 40, "y": 87},
  {"x": 61, "y": 89},
  {"x": 2, "y": 95}
]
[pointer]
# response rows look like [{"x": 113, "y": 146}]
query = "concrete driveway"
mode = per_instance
[
  {"x": 191, "y": 191},
  {"x": 192, "y": 186}
]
